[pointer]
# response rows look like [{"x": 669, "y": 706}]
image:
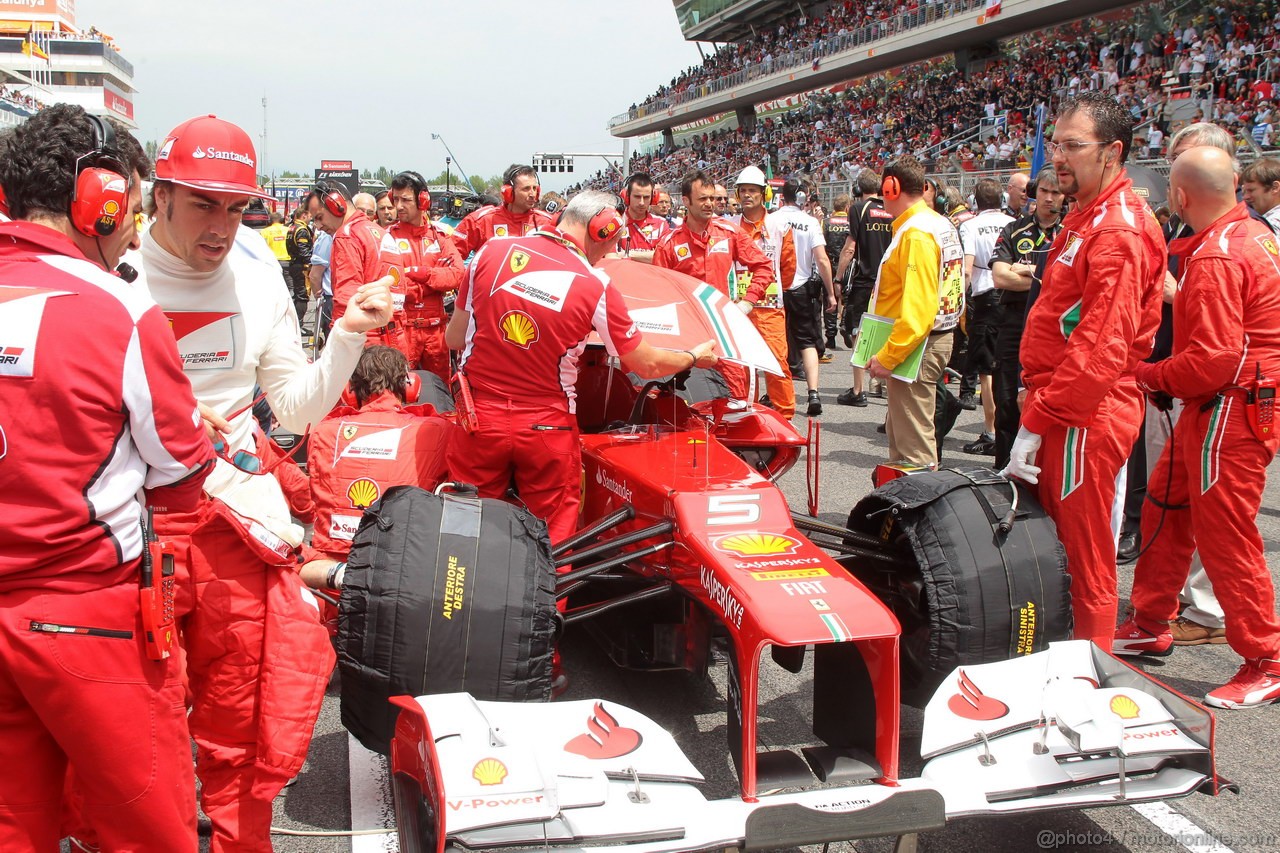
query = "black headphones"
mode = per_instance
[
  {"x": 331, "y": 198},
  {"x": 420, "y": 188}
]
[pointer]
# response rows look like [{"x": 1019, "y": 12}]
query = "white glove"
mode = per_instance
[
  {"x": 1022, "y": 457},
  {"x": 744, "y": 306}
]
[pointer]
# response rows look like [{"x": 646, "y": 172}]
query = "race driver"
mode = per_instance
[
  {"x": 526, "y": 427},
  {"x": 361, "y": 252},
  {"x": 432, "y": 268},
  {"x": 517, "y": 216},
  {"x": 779, "y": 246},
  {"x": 355, "y": 455},
  {"x": 258, "y": 659},
  {"x": 89, "y": 425},
  {"x": 1211, "y": 476},
  {"x": 713, "y": 250},
  {"x": 1094, "y": 320},
  {"x": 642, "y": 230}
]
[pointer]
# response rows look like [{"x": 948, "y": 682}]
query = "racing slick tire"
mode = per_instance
[
  {"x": 443, "y": 594},
  {"x": 964, "y": 590}
]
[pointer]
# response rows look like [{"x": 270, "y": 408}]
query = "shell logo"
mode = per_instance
[
  {"x": 682, "y": 252},
  {"x": 489, "y": 771},
  {"x": 757, "y": 544},
  {"x": 1124, "y": 707},
  {"x": 394, "y": 272},
  {"x": 111, "y": 208},
  {"x": 363, "y": 493},
  {"x": 519, "y": 328},
  {"x": 403, "y": 245}
]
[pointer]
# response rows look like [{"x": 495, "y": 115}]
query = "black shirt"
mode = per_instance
[{"x": 871, "y": 228}]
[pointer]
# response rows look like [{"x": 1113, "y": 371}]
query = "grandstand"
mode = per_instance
[{"x": 968, "y": 115}]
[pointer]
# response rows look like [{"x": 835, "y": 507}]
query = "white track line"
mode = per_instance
[
  {"x": 370, "y": 799},
  {"x": 1180, "y": 828}
]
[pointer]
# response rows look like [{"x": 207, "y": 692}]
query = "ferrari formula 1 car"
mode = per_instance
[{"x": 946, "y": 589}]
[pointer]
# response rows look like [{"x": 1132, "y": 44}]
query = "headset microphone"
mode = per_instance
[{"x": 127, "y": 273}]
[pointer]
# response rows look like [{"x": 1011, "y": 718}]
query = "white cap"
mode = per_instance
[{"x": 751, "y": 175}]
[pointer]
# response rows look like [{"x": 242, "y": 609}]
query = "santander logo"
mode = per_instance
[
  {"x": 604, "y": 738},
  {"x": 217, "y": 154},
  {"x": 972, "y": 704}
]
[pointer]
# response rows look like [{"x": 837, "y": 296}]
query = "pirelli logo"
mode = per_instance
[{"x": 790, "y": 574}]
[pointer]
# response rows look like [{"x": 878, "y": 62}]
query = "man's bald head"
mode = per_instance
[{"x": 1202, "y": 185}]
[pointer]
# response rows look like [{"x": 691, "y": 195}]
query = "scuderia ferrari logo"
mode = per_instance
[{"x": 519, "y": 260}]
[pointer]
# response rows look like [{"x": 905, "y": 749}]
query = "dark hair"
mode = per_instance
[
  {"x": 516, "y": 170},
  {"x": 641, "y": 179},
  {"x": 697, "y": 176},
  {"x": 1265, "y": 171},
  {"x": 841, "y": 202},
  {"x": 869, "y": 183},
  {"x": 409, "y": 181},
  {"x": 987, "y": 194},
  {"x": 910, "y": 174},
  {"x": 379, "y": 369},
  {"x": 277, "y": 218},
  {"x": 790, "y": 190},
  {"x": 301, "y": 210},
  {"x": 38, "y": 159},
  {"x": 379, "y": 196},
  {"x": 1111, "y": 122},
  {"x": 323, "y": 188}
]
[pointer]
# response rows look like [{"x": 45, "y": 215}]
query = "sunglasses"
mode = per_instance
[{"x": 252, "y": 463}]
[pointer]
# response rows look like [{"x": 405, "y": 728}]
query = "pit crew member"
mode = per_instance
[
  {"x": 433, "y": 267},
  {"x": 778, "y": 245},
  {"x": 870, "y": 232},
  {"x": 1211, "y": 476},
  {"x": 517, "y": 216},
  {"x": 710, "y": 249},
  {"x": 526, "y": 427},
  {"x": 257, "y": 657},
  {"x": 1094, "y": 320},
  {"x": 835, "y": 230},
  {"x": 643, "y": 230},
  {"x": 78, "y": 688},
  {"x": 299, "y": 243}
]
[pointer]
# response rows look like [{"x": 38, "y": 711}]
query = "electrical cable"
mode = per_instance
[
  {"x": 1168, "y": 484},
  {"x": 329, "y": 833}
]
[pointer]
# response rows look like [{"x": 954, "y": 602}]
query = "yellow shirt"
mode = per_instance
[
  {"x": 277, "y": 237},
  {"x": 913, "y": 288}
]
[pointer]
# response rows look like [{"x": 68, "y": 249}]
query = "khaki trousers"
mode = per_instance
[{"x": 909, "y": 423}]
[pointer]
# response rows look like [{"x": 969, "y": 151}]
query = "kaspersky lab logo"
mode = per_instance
[{"x": 217, "y": 154}]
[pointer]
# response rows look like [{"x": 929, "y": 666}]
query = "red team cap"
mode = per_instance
[{"x": 208, "y": 153}]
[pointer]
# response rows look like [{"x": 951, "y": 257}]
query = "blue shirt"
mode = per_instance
[{"x": 320, "y": 251}]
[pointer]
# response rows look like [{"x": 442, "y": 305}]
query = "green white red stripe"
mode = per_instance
[
  {"x": 1073, "y": 460},
  {"x": 1212, "y": 447},
  {"x": 710, "y": 297},
  {"x": 835, "y": 625}
]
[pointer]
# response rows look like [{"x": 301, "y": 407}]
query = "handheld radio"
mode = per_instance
[{"x": 157, "y": 592}]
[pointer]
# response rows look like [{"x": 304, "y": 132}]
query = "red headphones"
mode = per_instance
[
  {"x": 412, "y": 389},
  {"x": 100, "y": 198},
  {"x": 331, "y": 198},
  {"x": 890, "y": 188},
  {"x": 625, "y": 195},
  {"x": 509, "y": 190},
  {"x": 604, "y": 225},
  {"x": 419, "y": 186}
]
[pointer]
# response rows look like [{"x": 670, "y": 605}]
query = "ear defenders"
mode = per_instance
[
  {"x": 891, "y": 188},
  {"x": 604, "y": 225},
  {"x": 419, "y": 185},
  {"x": 100, "y": 196},
  {"x": 331, "y": 198},
  {"x": 509, "y": 190},
  {"x": 625, "y": 195},
  {"x": 412, "y": 390}
]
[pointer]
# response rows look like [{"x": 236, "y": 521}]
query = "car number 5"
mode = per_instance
[{"x": 733, "y": 509}]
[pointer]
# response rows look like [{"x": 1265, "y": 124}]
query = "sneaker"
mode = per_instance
[
  {"x": 984, "y": 446},
  {"x": 815, "y": 404},
  {"x": 1188, "y": 633},
  {"x": 848, "y": 398},
  {"x": 825, "y": 358},
  {"x": 968, "y": 401},
  {"x": 1256, "y": 683},
  {"x": 1132, "y": 639}
]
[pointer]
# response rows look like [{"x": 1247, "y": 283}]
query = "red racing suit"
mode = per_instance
[
  {"x": 642, "y": 234},
  {"x": 533, "y": 301},
  {"x": 480, "y": 226},
  {"x": 716, "y": 256},
  {"x": 769, "y": 317},
  {"x": 1209, "y": 480},
  {"x": 363, "y": 252},
  {"x": 355, "y": 456},
  {"x": 433, "y": 267},
  {"x": 77, "y": 690},
  {"x": 1094, "y": 321}
]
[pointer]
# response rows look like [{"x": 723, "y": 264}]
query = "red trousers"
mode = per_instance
[
  {"x": 772, "y": 325},
  {"x": 257, "y": 662},
  {"x": 1210, "y": 480},
  {"x": 536, "y": 447},
  {"x": 426, "y": 349},
  {"x": 1078, "y": 468},
  {"x": 96, "y": 706}
]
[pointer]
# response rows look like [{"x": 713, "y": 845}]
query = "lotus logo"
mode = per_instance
[
  {"x": 757, "y": 544},
  {"x": 489, "y": 771},
  {"x": 363, "y": 492},
  {"x": 1124, "y": 707},
  {"x": 972, "y": 704},
  {"x": 519, "y": 328},
  {"x": 604, "y": 738}
]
